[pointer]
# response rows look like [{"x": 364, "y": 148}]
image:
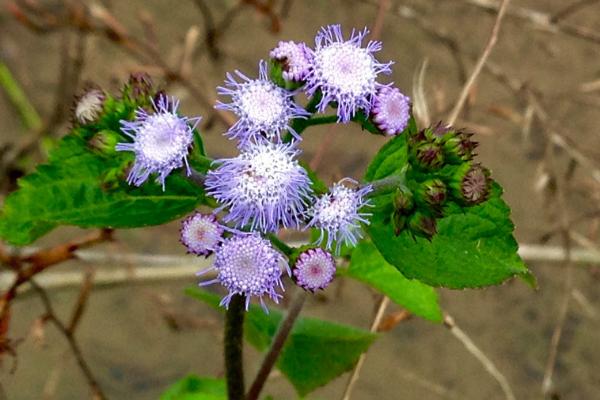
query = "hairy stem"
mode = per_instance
[
  {"x": 299, "y": 125},
  {"x": 234, "y": 342},
  {"x": 386, "y": 184},
  {"x": 282, "y": 246},
  {"x": 276, "y": 346}
]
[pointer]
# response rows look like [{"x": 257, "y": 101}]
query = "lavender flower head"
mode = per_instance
[
  {"x": 344, "y": 71},
  {"x": 314, "y": 269},
  {"x": 247, "y": 265},
  {"x": 201, "y": 233},
  {"x": 337, "y": 214},
  {"x": 391, "y": 110},
  {"x": 161, "y": 141},
  {"x": 264, "y": 109},
  {"x": 264, "y": 187},
  {"x": 296, "y": 59}
]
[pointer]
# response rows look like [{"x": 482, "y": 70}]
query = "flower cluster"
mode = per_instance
[{"x": 265, "y": 188}]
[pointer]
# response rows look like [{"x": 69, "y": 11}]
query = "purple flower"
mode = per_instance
[
  {"x": 201, "y": 233},
  {"x": 296, "y": 59},
  {"x": 264, "y": 109},
  {"x": 314, "y": 269},
  {"x": 344, "y": 72},
  {"x": 247, "y": 265},
  {"x": 337, "y": 214},
  {"x": 391, "y": 110},
  {"x": 161, "y": 141},
  {"x": 264, "y": 187}
]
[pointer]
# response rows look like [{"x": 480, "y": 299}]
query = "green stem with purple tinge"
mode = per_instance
[{"x": 234, "y": 342}]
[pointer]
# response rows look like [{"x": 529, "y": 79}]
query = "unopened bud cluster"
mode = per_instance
[{"x": 442, "y": 170}]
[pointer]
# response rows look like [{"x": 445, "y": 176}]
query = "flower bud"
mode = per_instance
[
  {"x": 459, "y": 147},
  {"x": 398, "y": 222},
  {"x": 471, "y": 183},
  {"x": 314, "y": 269},
  {"x": 421, "y": 224},
  {"x": 432, "y": 192},
  {"x": 104, "y": 142},
  {"x": 403, "y": 200},
  {"x": 139, "y": 88},
  {"x": 89, "y": 105},
  {"x": 429, "y": 156}
]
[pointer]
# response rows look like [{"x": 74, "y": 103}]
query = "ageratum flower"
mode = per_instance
[
  {"x": 296, "y": 60},
  {"x": 263, "y": 187},
  {"x": 344, "y": 71},
  {"x": 338, "y": 214},
  {"x": 201, "y": 233},
  {"x": 247, "y": 265},
  {"x": 264, "y": 109},
  {"x": 161, "y": 141},
  {"x": 391, "y": 110},
  {"x": 314, "y": 269},
  {"x": 89, "y": 105}
]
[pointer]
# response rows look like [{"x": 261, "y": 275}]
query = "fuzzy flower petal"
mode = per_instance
[
  {"x": 201, "y": 233},
  {"x": 263, "y": 187},
  {"x": 296, "y": 59},
  {"x": 344, "y": 71},
  {"x": 391, "y": 110},
  {"x": 89, "y": 105},
  {"x": 247, "y": 265},
  {"x": 314, "y": 269},
  {"x": 264, "y": 109},
  {"x": 338, "y": 214},
  {"x": 161, "y": 141}
]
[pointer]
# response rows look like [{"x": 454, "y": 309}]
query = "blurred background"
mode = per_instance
[{"x": 535, "y": 109}]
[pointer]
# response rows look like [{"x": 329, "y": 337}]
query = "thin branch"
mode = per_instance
[
  {"x": 540, "y": 20},
  {"x": 381, "y": 307},
  {"x": 276, "y": 346},
  {"x": 480, "y": 63},
  {"x": 382, "y": 9},
  {"x": 420, "y": 107},
  {"x": 210, "y": 29},
  {"x": 68, "y": 334},
  {"x": 150, "y": 268},
  {"x": 570, "y": 9},
  {"x": 43, "y": 259},
  {"x": 562, "y": 206},
  {"x": 479, "y": 355}
]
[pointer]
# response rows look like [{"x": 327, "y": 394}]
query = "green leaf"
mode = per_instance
[
  {"x": 369, "y": 266},
  {"x": 474, "y": 246},
  {"x": 193, "y": 387},
  {"x": 316, "y": 351},
  {"x": 85, "y": 187},
  {"x": 391, "y": 159}
]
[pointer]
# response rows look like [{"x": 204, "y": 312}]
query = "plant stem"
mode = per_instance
[
  {"x": 234, "y": 336},
  {"x": 282, "y": 246},
  {"x": 276, "y": 346},
  {"x": 386, "y": 184},
  {"x": 31, "y": 119},
  {"x": 299, "y": 125}
]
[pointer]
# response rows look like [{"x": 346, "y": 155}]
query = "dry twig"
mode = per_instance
[
  {"x": 480, "y": 63},
  {"x": 479, "y": 355},
  {"x": 68, "y": 332},
  {"x": 381, "y": 307}
]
